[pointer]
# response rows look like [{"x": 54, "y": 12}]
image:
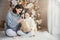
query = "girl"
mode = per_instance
[{"x": 28, "y": 24}]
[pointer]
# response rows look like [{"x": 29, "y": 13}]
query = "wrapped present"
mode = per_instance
[
  {"x": 28, "y": 26},
  {"x": 25, "y": 26}
]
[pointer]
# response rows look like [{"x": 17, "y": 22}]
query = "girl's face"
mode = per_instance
[
  {"x": 27, "y": 15},
  {"x": 18, "y": 10}
]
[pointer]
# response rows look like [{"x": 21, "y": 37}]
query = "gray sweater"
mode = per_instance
[{"x": 11, "y": 21}]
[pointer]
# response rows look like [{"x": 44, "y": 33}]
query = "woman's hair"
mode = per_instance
[
  {"x": 18, "y": 6},
  {"x": 28, "y": 11}
]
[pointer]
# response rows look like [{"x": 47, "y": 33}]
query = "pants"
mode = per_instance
[{"x": 12, "y": 33}]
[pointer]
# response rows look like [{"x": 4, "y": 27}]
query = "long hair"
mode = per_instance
[{"x": 18, "y": 6}]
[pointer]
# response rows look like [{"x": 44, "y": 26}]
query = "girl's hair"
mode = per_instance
[
  {"x": 28, "y": 11},
  {"x": 18, "y": 6}
]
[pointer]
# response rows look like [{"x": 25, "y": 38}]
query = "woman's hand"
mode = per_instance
[{"x": 20, "y": 20}]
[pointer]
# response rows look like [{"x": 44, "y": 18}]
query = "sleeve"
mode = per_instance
[
  {"x": 33, "y": 25},
  {"x": 11, "y": 21}
]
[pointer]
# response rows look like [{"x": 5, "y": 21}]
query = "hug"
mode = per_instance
[{"x": 18, "y": 26}]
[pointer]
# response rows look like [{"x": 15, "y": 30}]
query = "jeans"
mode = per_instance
[{"x": 12, "y": 33}]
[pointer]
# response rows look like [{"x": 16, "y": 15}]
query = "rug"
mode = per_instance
[{"x": 38, "y": 36}]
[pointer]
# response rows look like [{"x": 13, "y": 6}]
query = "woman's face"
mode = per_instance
[
  {"x": 27, "y": 15},
  {"x": 18, "y": 10}
]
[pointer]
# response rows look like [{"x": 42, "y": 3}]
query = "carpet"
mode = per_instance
[{"x": 38, "y": 36}]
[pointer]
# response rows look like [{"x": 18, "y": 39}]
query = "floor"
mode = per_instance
[{"x": 38, "y": 36}]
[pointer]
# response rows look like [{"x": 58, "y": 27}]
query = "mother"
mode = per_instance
[{"x": 13, "y": 20}]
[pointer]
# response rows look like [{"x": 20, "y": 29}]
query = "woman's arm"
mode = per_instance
[{"x": 11, "y": 21}]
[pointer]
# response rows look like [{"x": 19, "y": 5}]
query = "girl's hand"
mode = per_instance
[{"x": 20, "y": 20}]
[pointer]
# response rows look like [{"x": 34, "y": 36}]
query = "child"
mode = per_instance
[
  {"x": 29, "y": 26},
  {"x": 30, "y": 6}
]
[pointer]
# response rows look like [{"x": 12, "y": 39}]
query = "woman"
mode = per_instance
[{"x": 13, "y": 20}]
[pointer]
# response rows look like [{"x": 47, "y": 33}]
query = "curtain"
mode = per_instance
[{"x": 53, "y": 17}]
